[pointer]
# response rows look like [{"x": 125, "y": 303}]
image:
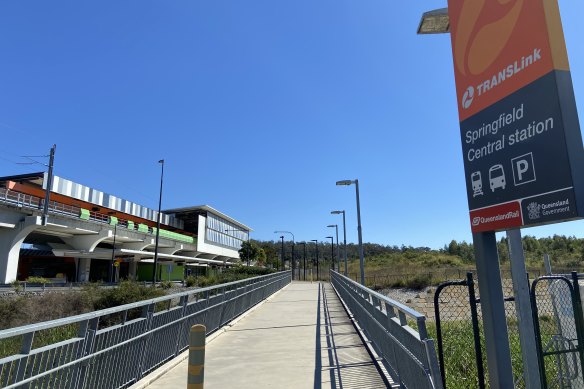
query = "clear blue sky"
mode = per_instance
[{"x": 258, "y": 107}]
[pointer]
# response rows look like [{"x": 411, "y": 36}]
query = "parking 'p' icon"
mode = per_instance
[{"x": 523, "y": 169}]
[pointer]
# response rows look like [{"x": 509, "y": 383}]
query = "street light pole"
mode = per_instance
[
  {"x": 293, "y": 259},
  {"x": 344, "y": 237},
  {"x": 361, "y": 256},
  {"x": 158, "y": 224},
  {"x": 317, "y": 270},
  {"x": 332, "y": 251},
  {"x": 282, "y": 252},
  {"x": 337, "y": 235},
  {"x": 111, "y": 268},
  {"x": 304, "y": 266},
  {"x": 49, "y": 186}
]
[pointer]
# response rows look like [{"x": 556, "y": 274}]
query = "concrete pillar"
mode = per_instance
[
  {"x": 132, "y": 268},
  {"x": 83, "y": 268},
  {"x": 11, "y": 240}
]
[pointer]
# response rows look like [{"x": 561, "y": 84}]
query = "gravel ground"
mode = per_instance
[{"x": 402, "y": 294}]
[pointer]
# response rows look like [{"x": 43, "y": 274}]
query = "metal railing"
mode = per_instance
[
  {"x": 23, "y": 200},
  {"x": 114, "y": 348},
  {"x": 397, "y": 333}
]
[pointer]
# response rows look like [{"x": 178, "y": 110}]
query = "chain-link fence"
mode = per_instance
[
  {"x": 557, "y": 307},
  {"x": 460, "y": 334}
]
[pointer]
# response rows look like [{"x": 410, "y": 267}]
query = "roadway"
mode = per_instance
[{"x": 299, "y": 338}]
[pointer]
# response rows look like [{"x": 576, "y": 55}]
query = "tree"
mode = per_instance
[{"x": 250, "y": 251}]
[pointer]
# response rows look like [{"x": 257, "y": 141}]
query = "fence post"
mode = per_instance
[
  {"x": 577, "y": 304},
  {"x": 534, "y": 310},
  {"x": 196, "y": 375},
  {"x": 475, "y": 329}
]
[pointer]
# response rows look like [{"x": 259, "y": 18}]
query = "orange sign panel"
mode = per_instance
[{"x": 500, "y": 46}]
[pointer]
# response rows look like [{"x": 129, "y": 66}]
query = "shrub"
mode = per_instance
[
  {"x": 419, "y": 281},
  {"x": 37, "y": 280},
  {"x": 190, "y": 281},
  {"x": 127, "y": 292},
  {"x": 166, "y": 284},
  {"x": 16, "y": 285}
]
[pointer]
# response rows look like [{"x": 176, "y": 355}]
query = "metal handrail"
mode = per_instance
[
  {"x": 407, "y": 353},
  {"x": 113, "y": 349}
]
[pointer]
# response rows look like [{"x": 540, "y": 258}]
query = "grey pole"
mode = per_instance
[
  {"x": 332, "y": 251},
  {"x": 361, "y": 256},
  {"x": 282, "y": 255},
  {"x": 338, "y": 256},
  {"x": 111, "y": 268},
  {"x": 158, "y": 224},
  {"x": 523, "y": 308},
  {"x": 49, "y": 185},
  {"x": 493, "y": 307},
  {"x": 345, "y": 243}
]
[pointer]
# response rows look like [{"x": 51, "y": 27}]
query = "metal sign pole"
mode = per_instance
[
  {"x": 523, "y": 308},
  {"x": 493, "y": 307}
]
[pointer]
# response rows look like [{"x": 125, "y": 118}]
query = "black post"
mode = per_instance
[
  {"x": 475, "y": 329},
  {"x": 49, "y": 185},
  {"x": 304, "y": 261},
  {"x": 293, "y": 261},
  {"x": 158, "y": 225},
  {"x": 332, "y": 252},
  {"x": 282, "y": 255},
  {"x": 317, "y": 269}
]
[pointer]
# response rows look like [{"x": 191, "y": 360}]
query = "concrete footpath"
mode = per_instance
[{"x": 299, "y": 338}]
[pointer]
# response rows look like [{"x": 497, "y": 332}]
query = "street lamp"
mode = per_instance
[
  {"x": 317, "y": 270},
  {"x": 158, "y": 224},
  {"x": 435, "y": 22},
  {"x": 361, "y": 257},
  {"x": 336, "y": 226},
  {"x": 332, "y": 251},
  {"x": 293, "y": 264},
  {"x": 282, "y": 253},
  {"x": 304, "y": 270},
  {"x": 344, "y": 237}
]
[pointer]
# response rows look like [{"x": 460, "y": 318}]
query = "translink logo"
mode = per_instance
[{"x": 500, "y": 77}]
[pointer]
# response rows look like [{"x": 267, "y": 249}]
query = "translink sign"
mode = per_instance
[{"x": 521, "y": 140}]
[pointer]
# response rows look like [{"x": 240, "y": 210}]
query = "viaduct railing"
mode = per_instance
[
  {"x": 114, "y": 348},
  {"x": 397, "y": 333},
  {"x": 23, "y": 200}
]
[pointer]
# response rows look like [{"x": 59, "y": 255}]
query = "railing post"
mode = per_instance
[
  {"x": 24, "y": 349},
  {"x": 147, "y": 314},
  {"x": 90, "y": 329},
  {"x": 183, "y": 302}
]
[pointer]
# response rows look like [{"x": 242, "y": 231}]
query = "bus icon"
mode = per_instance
[
  {"x": 497, "y": 177},
  {"x": 477, "y": 184}
]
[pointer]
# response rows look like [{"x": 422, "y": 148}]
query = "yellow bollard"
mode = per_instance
[{"x": 196, "y": 357}]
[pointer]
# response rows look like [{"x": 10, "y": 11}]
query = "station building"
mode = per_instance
[{"x": 89, "y": 235}]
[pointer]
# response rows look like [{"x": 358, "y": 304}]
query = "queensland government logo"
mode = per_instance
[{"x": 533, "y": 211}]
